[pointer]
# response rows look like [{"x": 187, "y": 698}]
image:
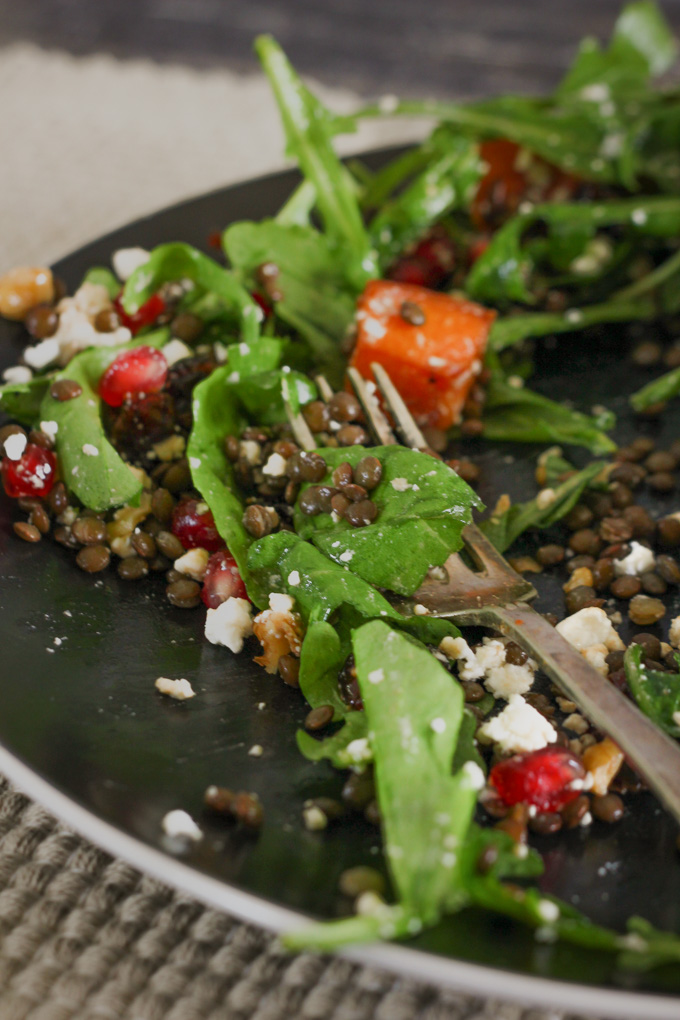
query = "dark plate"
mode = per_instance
[{"x": 83, "y": 730}]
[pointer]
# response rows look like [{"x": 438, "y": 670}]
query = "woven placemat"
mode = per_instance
[{"x": 95, "y": 143}]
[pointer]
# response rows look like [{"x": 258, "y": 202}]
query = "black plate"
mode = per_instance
[{"x": 84, "y": 731}]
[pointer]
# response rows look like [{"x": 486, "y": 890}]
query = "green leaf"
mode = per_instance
[
  {"x": 448, "y": 182},
  {"x": 506, "y": 528},
  {"x": 177, "y": 261},
  {"x": 427, "y": 518},
  {"x": 317, "y": 298},
  {"x": 335, "y": 748},
  {"x": 22, "y": 401},
  {"x": 658, "y": 391},
  {"x": 103, "y": 277},
  {"x": 522, "y": 416},
  {"x": 309, "y": 129},
  {"x": 657, "y": 693}
]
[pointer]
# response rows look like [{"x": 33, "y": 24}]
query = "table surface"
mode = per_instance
[{"x": 412, "y": 47}]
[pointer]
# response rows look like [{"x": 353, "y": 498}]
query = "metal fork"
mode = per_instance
[{"x": 495, "y": 596}]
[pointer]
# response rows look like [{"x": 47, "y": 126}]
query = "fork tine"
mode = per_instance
[
  {"x": 376, "y": 419},
  {"x": 406, "y": 426},
  {"x": 301, "y": 430}
]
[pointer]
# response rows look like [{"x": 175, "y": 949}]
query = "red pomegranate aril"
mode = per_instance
[
  {"x": 222, "y": 580},
  {"x": 411, "y": 270},
  {"x": 194, "y": 526},
  {"x": 263, "y": 303},
  {"x": 548, "y": 778},
  {"x": 138, "y": 370},
  {"x": 33, "y": 474},
  {"x": 144, "y": 316}
]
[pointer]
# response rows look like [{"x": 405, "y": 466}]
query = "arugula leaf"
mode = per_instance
[
  {"x": 318, "y": 300},
  {"x": 309, "y": 129},
  {"x": 426, "y": 518},
  {"x": 103, "y": 277},
  {"x": 22, "y": 401},
  {"x": 177, "y": 261},
  {"x": 657, "y": 693},
  {"x": 448, "y": 182},
  {"x": 658, "y": 391},
  {"x": 519, "y": 517},
  {"x": 522, "y": 416}
]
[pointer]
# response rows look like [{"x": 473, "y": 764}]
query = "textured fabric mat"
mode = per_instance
[{"x": 92, "y": 144}]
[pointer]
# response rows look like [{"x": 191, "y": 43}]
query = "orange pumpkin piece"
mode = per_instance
[{"x": 431, "y": 345}]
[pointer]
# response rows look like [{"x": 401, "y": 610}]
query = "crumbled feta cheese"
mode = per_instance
[
  {"x": 180, "y": 825},
  {"x": 229, "y": 624},
  {"x": 17, "y": 374},
  {"x": 180, "y": 690},
  {"x": 490, "y": 654},
  {"x": 280, "y": 603},
  {"x": 420, "y": 610},
  {"x": 43, "y": 354},
  {"x": 508, "y": 679},
  {"x": 358, "y": 751},
  {"x": 545, "y": 498},
  {"x": 399, "y": 484},
  {"x": 294, "y": 578},
  {"x": 91, "y": 299},
  {"x": 638, "y": 217},
  {"x": 596, "y": 655},
  {"x": 676, "y": 718},
  {"x": 474, "y": 775},
  {"x": 314, "y": 818},
  {"x": 89, "y": 450},
  {"x": 438, "y": 725},
  {"x": 250, "y": 451},
  {"x": 519, "y": 727},
  {"x": 275, "y": 466},
  {"x": 50, "y": 428},
  {"x": 548, "y": 910},
  {"x": 15, "y": 445},
  {"x": 376, "y": 676},
  {"x": 256, "y": 751},
  {"x": 459, "y": 650},
  {"x": 193, "y": 563},
  {"x": 194, "y": 463},
  {"x": 170, "y": 448},
  {"x": 590, "y": 626},
  {"x": 126, "y": 260},
  {"x": 674, "y": 632},
  {"x": 175, "y": 350},
  {"x": 346, "y": 556},
  {"x": 639, "y": 560}
]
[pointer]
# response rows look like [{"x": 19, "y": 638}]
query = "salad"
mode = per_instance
[{"x": 149, "y": 432}]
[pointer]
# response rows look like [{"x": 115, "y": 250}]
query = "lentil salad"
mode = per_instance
[{"x": 153, "y": 434}]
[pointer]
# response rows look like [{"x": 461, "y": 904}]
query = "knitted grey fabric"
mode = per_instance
[{"x": 86, "y": 937}]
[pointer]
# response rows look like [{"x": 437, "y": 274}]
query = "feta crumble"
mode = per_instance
[
  {"x": 590, "y": 626},
  {"x": 229, "y": 624},
  {"x": 17, "y": 374},
  {"x": 50, "y": 428},
  {"x": 376, "y": 676},
  {"x": 175, "y": 350},
  {"x": 639, "y": 560},
  {"x": 126, "y": 260},
  {"x": 256, "y": 751},
  {"x": 474, "y": 774},
  {"x": 294, "y": 578},
  {"x": 438, "y": 725},
  {"x": 43, "y": 354},
  {"x": 399, "y": 484},
  {"x": 519, "y": 727},
  {"x": 180, "y": 690},
  {"x": 179, "y": 825},
  {"x": 90, "y": 450},
  {"x": 280, "y": 603},
  {"x": 193, "y": 563},
  {"x": 15, "y": 445},
  {"x": 275, "y": 466},
  {"x": 674, "y": 632}
]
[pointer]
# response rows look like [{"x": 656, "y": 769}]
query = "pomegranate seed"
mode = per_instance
[
  {"x": 215, "y": 239},
  {"x": 32, "y": 475},
  {"x": 140, "y": 370},
  {"x": 144, "y": 316},
  {"x": 264, "y": 304},
  {"x": 222, "y": 580},
  {"x": 194, "y": 526},
  {"x": 543, "y": 778},
  {"x": 411, "y": 270}
]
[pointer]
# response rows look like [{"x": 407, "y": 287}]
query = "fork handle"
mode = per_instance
[{"x": 654, "y": 754}]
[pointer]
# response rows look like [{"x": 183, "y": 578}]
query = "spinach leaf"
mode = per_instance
[
  {"x": 103, "y": 277},
  {"x": 658, "y": 391},
  {"x": 422, "y": 506},
  {"x": 337, "y": 747},
  {"x": 522, "y": 416},
  {"x": 657, "y": 693},
  {"x": 448, "y": 182},
  {"x": 22, "y": 401},
  {"x": 100, "y": 480},
  {"x": 318, "y": 299},
  {"x": 309, "y": 129},
  {"x": 177, "y": 261},
  {"x": 518, "y": 518}
]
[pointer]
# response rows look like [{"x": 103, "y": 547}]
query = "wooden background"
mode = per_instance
[{"x": 411, "y": 47}]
